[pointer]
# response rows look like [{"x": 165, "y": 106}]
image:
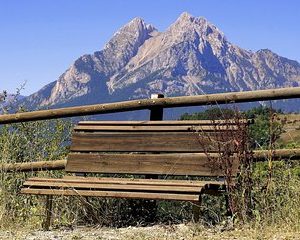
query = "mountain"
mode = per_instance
[{"x": 191, "y": 57}]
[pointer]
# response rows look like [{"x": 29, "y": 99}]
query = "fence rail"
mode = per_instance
[{"x": 171, "y": 102}]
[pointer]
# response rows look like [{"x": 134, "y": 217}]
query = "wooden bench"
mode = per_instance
[{"x": 158, "y": 150}]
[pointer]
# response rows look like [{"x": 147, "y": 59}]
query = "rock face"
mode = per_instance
[{"x": 191, "y": 57}]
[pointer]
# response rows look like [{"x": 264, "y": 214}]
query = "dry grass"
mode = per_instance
[
  {"x": 159, "y": 232},
  {"x": 291, "y": 133}
]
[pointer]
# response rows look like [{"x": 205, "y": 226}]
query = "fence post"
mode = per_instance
[
  {"x": 142, "y": 208},
  {"x": 156, "y": 114},
  {"x": 48, "y": 212}
]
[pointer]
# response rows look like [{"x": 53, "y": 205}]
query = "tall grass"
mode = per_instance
[{"x": 28, "y": 142}]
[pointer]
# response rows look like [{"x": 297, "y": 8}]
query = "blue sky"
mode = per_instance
[{"x": 39, "y": 39}]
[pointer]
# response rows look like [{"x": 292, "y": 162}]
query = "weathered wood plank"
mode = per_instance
[
  {"x": 183, "y": 101},
  {"x": 48, "y": 212},
  {"x": 194, "y": 164},
  {"x": 129, "y": 181},
  {"x": 259, "y": 155},
  {"x": 112, "y": 194},
  {"x": 33, "y": 166},
  {"x": 277, "y": 154},
  {"x": 167, "y": 122},
  {"x": 116, "y": 187},
  {"x": 150, "y": 142},
  {"x": 187, "y": 128}
]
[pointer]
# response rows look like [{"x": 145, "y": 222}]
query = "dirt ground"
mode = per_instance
[{"x": 181, "y": 231}]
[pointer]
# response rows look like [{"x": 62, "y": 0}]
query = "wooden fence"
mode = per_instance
[
  {"x": 156, "y": 104},
  {"x": 170, "y": 102}
]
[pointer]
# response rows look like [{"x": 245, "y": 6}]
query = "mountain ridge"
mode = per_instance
[{"x": 191, "y": 57}]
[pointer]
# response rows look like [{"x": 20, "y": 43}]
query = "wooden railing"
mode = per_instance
[{"x": 170, "y": 102}]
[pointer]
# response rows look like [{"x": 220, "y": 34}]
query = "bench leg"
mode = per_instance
[
  {"x": 151, "y": 210},
  {"x": 143, "y": 210},
  {"x": 196, "y": 208},
  {"x": 228, "y": 208},
  {"x": 150, "y": 206},
  {"x": 48, "y": 212}
]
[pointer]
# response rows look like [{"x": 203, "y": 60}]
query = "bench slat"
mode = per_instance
[
  {"x": 191, "y": 128},
  {"x": 113, "y": 194},
  {"x": 166, "y": 122},
  {"x": 149, "y": 142},
  {"x": 194, "y": 164},
  {"x": 130, "y": 181},
  {"x": 116, "y": 187}
]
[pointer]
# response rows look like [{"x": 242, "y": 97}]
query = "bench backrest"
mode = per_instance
[{"x": 152, "y": 147}]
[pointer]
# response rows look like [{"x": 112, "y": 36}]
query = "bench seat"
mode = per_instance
[{"x": 156, "y": 189}]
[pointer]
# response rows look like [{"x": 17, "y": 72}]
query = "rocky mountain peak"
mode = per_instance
[
  {"x": 191, "y": 57},
  {"x": 190, "y": 27},
  {"x": 126, "y": 42},
  {"x": 264, "y": 52},
  {"x": 138, "y": 25},
  {"x": 185, "y": 17},
  {"x": 187, "y": 20},
  {"x": 136, "y": 20},
  {"x": 135, "y": 30}
]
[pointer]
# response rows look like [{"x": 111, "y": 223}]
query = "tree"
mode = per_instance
[{"x": 266, "y": 127}]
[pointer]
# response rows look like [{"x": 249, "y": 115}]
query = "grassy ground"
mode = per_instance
[{"x": 291, "y": 135}]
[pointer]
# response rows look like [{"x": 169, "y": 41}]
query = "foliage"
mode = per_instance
[
  {"x": 28, "y": 142},
  {"x": 210, "y": 114},
  {"x": 277, "y": 200},
  {"x": 274, "y": 196},
  {"x": 266, "y": 124},
  {"x": 259, "y": 131}
]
